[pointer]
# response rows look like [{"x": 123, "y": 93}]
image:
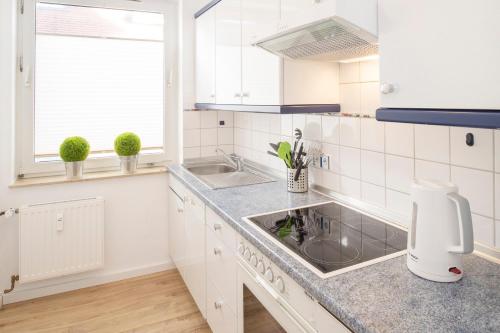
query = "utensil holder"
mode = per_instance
[{"x": 301, "y": 185}]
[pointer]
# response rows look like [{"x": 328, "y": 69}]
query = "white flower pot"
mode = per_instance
[
  {"x": 74, "y": 170},
  {"x": 128, "y": 164}
]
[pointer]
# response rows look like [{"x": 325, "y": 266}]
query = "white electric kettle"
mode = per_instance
[{"x": 440, "y": 231}]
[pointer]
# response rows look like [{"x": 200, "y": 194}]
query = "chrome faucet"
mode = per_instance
[{"x": 233, "y": 159}]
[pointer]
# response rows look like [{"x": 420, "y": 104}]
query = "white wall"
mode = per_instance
[{"x": 136, "y": 207}]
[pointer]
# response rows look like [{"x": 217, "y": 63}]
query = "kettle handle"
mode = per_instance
[{"x": 465, "y": 225}]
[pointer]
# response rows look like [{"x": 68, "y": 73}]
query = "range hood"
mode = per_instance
[{"x": 348, "y": 31}]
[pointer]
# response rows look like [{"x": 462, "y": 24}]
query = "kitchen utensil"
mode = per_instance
[
  {"x": 275, "y": 146},
  {"x": 298, "y": 134},
  {"x": 440, "y": 231},
  {"x": 284, "y": 152}
]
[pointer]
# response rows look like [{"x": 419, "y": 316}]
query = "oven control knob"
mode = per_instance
[
  {"x": 253, "y": 260},
  {"x": 241, "y": 248},
  {"x": 269, "y": 275},
  {"x": 247, "y": 254},
  {"x": 280, "y": 284},
  {"x": 260, "y": 267}
]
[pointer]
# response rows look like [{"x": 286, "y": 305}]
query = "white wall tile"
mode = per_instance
[
  {"x": 312, "y": 130},
  {"x": 228, "y": 149},
  {"x": 330, "y": 129},
  {"x": 227, "y": 117},
  {"x": 192, "y": 138},
  {"x": 432, "y": 171},
  {"x": 299, "y": 121},
  {"x": 209, "y": 136},
  {"x": 369, "y": 70},
  {"x": 432, "y": 143},
  {"x": 370, "y": 98},
  {"x": 274, "y": 124},
  {"x": 287, "y": 124},
  {"x": 192, "y": 152},
  {"x": 208, "y": 119},
  {"x": 497, "y": 234},
  {"x": 483, "y": 230},
  {"x": 209, "y": 151},
  {"x": 243, "y": 120},
  {"x": 350, "y": 187},
  {"x": 372, "y": 134},
  {"x": 480, "y": 155},
  {"x": 373, "y": 194},
  {"x": 260, "y": 141},
  {"x": 477, "y": 187},
  {"x": 350, "y": 98},
  {"x": 398, "y": 202},
  {"x": 315, "y": 176},
  {"x": 260, "y": 122},
  {"x": 497, "y": 196},
  {"x": 399, "y": 139},
  {"x": 350, "y": 162},
  {"x": 497, "y": 150},
  {"x": 373, "y": 167},
  {"x": 331, "y": 181},
  {"x": 334, "y": 152},
  {"x": 191, "y": 119},
  {"x": 225, "y": 136},
  {"x": 350, "y": 132},
  {"x": 349, "y": 72},
  {"x": 399, "y": 173}
]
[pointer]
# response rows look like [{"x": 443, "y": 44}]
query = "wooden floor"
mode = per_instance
[{"x": 150, "y": 304}]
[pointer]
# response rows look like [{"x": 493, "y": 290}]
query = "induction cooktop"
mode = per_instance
[{"x": 331, "y": 237}]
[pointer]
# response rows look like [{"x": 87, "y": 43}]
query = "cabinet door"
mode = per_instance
[
  {"x": 176, "y": 232},
  {"x": 228, "y": 52},
  {"x": 299, "y": 12},
  {"x": 261, "y": 70},
  {"x": 440, "y": 54},
  {"x": 205, "y": 57},
  {"x": 195, "y": 248}
]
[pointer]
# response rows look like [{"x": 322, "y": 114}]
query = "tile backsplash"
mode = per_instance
[{"x": 369, "y": 160}]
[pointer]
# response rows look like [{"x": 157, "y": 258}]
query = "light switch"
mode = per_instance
[{"x": 60, "y": 222}]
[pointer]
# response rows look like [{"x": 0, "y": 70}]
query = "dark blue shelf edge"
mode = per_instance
[
  {"x": 206, "y": 8},
  {"x": 446, "y": 117},
  {"x": 279, "y": 109}
]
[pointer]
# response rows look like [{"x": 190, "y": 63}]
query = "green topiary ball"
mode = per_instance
[
  {"x": 127, "y": 144},
  {"x": 74, "y": 149}
]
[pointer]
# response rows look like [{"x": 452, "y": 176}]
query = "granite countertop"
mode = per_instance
[{"x": 383, "y": 297}]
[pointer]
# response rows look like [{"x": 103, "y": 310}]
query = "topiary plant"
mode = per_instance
[
  {"x": 74, "y": 149},
  {"x": 127, "y": 144}
]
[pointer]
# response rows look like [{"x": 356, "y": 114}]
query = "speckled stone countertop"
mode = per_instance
[{"x": 383, "y": 297}]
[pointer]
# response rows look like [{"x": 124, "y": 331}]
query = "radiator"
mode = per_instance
[{"x": 60, "y": 238}]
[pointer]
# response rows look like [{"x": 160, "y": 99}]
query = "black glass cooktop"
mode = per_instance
[{"x": 332, "y": 236}]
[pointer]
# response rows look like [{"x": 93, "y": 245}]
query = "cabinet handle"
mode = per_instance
[
  {"x": 246, "y": 94},
  {"x": 217, "y": 251},
  {"x": 386, "y": 88},
  {"x": 218, "y": 304},
  {"x": 180, "y": 210},
  {"x": 237, "y": 95},
  {"x": 217, "y": 226}
]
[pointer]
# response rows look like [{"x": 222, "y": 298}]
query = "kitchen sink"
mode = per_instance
[{"x": 218, "y": 175}]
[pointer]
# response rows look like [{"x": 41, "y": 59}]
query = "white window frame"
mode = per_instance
[{"x": 25, "y": 147}]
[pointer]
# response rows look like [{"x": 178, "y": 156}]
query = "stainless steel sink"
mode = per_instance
[
  {"x": 218, "y": 175},
  {"x": 210, "y": 169}
]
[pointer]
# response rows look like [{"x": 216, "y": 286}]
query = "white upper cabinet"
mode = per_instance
[
  {"x": 228, "y": 51},
  {"x": 440, "y": 54},
  {"x": 205, "y": 58},
  {"x": 299, "y": 12},
  {"x": 261, "y": 70}
]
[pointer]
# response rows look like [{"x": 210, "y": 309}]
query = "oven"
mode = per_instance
[{"x": 262, "y": 298}]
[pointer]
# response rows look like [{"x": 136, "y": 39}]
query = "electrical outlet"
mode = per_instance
[{"x": 324, "y": 162}]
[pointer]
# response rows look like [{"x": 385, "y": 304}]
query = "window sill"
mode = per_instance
[{"x": 35, "y": 181}]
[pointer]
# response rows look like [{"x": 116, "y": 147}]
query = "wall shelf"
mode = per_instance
[
  {"x": 446, "y": 117},
  {"x": 278, "y": 109}
]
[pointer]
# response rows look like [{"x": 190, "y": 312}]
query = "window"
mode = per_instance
[{"x": 94, "y": 72}]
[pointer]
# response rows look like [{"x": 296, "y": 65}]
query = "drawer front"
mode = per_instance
[
  {"x": 221, "y": 268},
  {"x": 221, "y": 229},
  {"x": 327, "y": 323},
  {"x": 177, "y": 186},
  {"x": 220, "y": 316}
]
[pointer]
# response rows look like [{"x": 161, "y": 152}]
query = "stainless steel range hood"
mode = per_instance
[{"x": 350, "y": 31}]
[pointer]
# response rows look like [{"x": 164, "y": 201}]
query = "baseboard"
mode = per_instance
[{"x": 27, "y": 292}]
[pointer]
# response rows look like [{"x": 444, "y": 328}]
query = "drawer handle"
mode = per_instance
[
  {"x": 217, "y": 226},
  {"x": 217, "y": 251},
  {"x": 218, "y": 304}
]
